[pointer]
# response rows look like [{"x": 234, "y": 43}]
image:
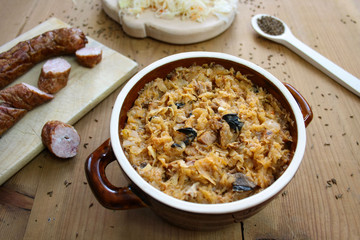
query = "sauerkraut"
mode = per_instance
[
  {"x": 207, "y": 134},
  {"x": 196, "y": 10}
]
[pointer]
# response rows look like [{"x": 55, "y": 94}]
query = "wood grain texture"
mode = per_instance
[
  {"x": 85, "y": 88},
  {"x": 312, "y": 206}
]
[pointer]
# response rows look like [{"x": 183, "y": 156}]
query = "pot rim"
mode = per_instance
[{"x": 220, "y": 208}]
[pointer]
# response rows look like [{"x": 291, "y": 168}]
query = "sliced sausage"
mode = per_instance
[
  {"x": 24, "y": 96},
  {"x": 9, "y": 116},
  {"x": 54, "y": 75},
  {"x": 24, "y": 55},
  {"x": 60, "y": 138},
  {"x": 89, "y": 57}
]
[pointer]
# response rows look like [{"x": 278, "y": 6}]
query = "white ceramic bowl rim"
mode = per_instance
[{"x": 221, "y": 208}]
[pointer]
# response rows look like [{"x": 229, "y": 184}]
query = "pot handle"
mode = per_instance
[
  {"x": 117, "y": 198},
  {"x": 303, "y": 104}
]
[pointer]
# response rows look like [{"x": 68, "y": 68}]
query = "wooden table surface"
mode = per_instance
[{"x": 50, "y": 199}]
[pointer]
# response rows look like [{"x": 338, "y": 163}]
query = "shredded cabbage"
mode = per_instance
[{"x": 196, "y": 10}]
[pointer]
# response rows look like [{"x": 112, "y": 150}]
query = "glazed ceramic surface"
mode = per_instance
[{"x": 195, "y": 215}]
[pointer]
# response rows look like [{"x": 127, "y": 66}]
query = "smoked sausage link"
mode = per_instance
[
  {"x": 9, "y": 116},
  {"x": 60, "y": 138},
  {"x": 24, "y": 55},
  {"x": 25, "y": 96}
]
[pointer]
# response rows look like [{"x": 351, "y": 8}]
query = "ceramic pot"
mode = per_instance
[{"x": 189, "y": 215}]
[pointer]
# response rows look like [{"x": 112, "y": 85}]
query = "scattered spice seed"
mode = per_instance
[
  {"x": 66, "y": 183},
  {"x": 50, "y": 193},
  {"x": 284, "y": 193},
  {"x": 91, "y": 204},
  {"x": 326, "y": 144},
  {"x": 338, "y": 196},
  {"x": 333, "y": 180},
  {"x": 85, "y": 145}
]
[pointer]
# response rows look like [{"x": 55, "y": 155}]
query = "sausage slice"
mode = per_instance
[
  {"x": 89, "y": 57},
  {"x": 9, "y": 116},
  {"x": 54, "y": 75},
  {"x": 24, "y": 55},
  {"x": 60, "y": 138},
  {"x": 24, "y": 96}
]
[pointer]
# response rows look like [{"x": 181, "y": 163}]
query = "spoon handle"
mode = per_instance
[{"x": 322, "y": 63}]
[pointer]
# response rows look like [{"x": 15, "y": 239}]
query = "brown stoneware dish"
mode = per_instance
[{"x": 190, "y": 215}]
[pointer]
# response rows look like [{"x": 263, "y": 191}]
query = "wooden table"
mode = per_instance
[{"x": 50, "y": 199}]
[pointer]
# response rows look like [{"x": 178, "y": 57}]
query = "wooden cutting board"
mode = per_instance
[
  {"x": 176, "y": 31},
  {"x": 85, "y": 89}
]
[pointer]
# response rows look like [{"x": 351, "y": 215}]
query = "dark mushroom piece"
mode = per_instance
[
  {"x": 242, "y": 183},
  {"x": 190, "y": 133},
  {"x": 174, "y": 145},
  {"x": 234, "y": 121},
  {"x": 143, "y": 164},
  {"x": 179, "y": 105},
  {"x": 255, "y": 88}
]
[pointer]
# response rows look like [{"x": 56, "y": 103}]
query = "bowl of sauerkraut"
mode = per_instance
[{"x": 205, "y": 139}]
